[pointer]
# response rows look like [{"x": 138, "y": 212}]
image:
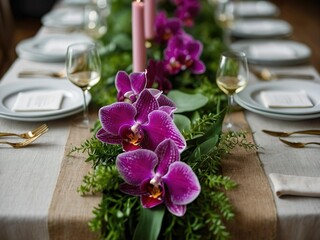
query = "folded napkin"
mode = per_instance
[
  {"x": 295, "y": 185},
  {"x": 285, "y": 99},
  {"x": 255, "y": 27},
  {"x": 272, "y": 51},
  {"x": 58, "y": 46}
]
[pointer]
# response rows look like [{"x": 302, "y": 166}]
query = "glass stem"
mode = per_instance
[
  {"x": 85, "y": 107},
  {"x": 226, "y": 37},
  {"x": 228, "y": 113}
]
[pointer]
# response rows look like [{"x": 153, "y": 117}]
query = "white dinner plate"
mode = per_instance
[
  {"x": 288, "y": 117},
  {"x": 51, "y": 48},
  {"x": 250, "y": 96},
  {"x": 273, "y": 52},
  {"x": 72, "y": 99},
  {"x": 43, "y": 118},
  {"x": 256, "y": 9},
  {"x": 261, "y": 28},
  {"x": 64, "y": 18}
]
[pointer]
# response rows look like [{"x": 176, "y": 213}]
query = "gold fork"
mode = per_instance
[
  {"x": 29, "y": 134},
  {"x": 287, "y": 134},
  {"x": 298, "y": 144},
  {"x": 25, "y": 142}
]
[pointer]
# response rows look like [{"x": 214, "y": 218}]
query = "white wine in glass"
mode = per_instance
[
  {"x": 232, "y": 77},
  {"x": 83, "y": 68}
]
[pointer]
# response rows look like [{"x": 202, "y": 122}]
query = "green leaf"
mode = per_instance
[
  {"x": 187, "y": 102},
  {"x": 150, "y": 222},
  {"x": 205, "y": 147},
  {"x": 182, "y": 122}
]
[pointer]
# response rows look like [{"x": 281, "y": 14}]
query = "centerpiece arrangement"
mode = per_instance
[{"x": 157, "y": 147}]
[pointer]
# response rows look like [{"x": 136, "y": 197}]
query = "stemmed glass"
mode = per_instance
[
  {"x": 83, "y": 68},
  {"x": 95, "y": 18},
  {"x": 232, "y": 77},
  {"x": 224, "y": 16}
]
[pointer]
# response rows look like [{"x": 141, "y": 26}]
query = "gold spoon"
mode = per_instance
[
  {"x": 266, "y": 75},
  {"x": 298, "y": 144},
  {"x": 287, "y": 134}
]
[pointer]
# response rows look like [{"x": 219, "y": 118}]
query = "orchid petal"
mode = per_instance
[
  {"x": 113, "y": 116},
  {"x": 178, "y": 210},
  {"x": 182, "y": 183},
  {"x": 198, "y": 67},
  {"x": 138, "y": 81},
  {"x": 165, "y": 101},
  {"x": 131, "y": 190},
  {"x": 122, "y": 82},
  {"x": 136, "y": 166},
  {"x": 129, "y": 146},
  {"x": 155, "y": 92},
  {"x": 145, "y": 104},
  {"x": 150, "y": 202},
  {"x": 167, "y": 153},
  {"x": 159, "y": 128},
  {"x": 168, "y": 110},
  {"x": 195, "y": 49},
  {"x": 107, "y": 137}
]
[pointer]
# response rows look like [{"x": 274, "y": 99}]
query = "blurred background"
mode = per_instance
[{"x": 21, "y": 19}]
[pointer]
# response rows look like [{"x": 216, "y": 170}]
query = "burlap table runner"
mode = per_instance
[
  {"x": 255, "y": 213},
  {"x": 254, "y": 207},
  {"x": 70, "y": 213}
]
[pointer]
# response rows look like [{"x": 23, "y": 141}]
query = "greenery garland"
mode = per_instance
[{"x": 118, "y": 215}]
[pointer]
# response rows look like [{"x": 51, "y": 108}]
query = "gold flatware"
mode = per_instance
[
  {"x": 25, "y": 142},
  {"x": 266, "y": 75},
  {"x": 41, "y": 73},
  {"x": 29, "y": 134},
  {"x": 298, "y": 144},
  {"x": 287, "y": 134}
]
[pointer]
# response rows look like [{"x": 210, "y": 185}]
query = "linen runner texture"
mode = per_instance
[
  {"x": 252, "y": 199},
  {"x": 69, "y": 212}
]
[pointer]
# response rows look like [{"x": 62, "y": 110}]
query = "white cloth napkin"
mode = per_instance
[
  {"x": 285, "y": 99},
  {"x": 295, "y": 185},
  {"x": 38, "y": 101}
]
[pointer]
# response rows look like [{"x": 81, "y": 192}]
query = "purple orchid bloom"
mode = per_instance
[
  {"x": 130, "y": 86},
  {"x": 187, "y": 11},
  {"x": 156, "y": 75},
  {"x": 183, "y": 53},
  {"x": 166, "y": 28},
  {"x": 141, "y": 125},
  {"x": 159, "y": 177}
]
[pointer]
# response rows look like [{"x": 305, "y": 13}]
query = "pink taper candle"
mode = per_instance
[
  {"x": 149, "y": 19},
  {"x": 138, "y": 40}
]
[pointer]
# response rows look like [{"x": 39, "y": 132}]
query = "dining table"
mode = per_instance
[{"x": 38, "y": 190}]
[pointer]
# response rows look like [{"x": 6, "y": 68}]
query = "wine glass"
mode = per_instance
[
  {"x": 95, "y": 18},
  {"x": 224, "y": 17},
  {"x": 232, "y": 77},
  {"x": 83, "y": 68}
]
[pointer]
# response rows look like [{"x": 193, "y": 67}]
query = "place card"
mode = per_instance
[
  {"x": 38, "y": 101},
  {"x": 285, "y": 99}
]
